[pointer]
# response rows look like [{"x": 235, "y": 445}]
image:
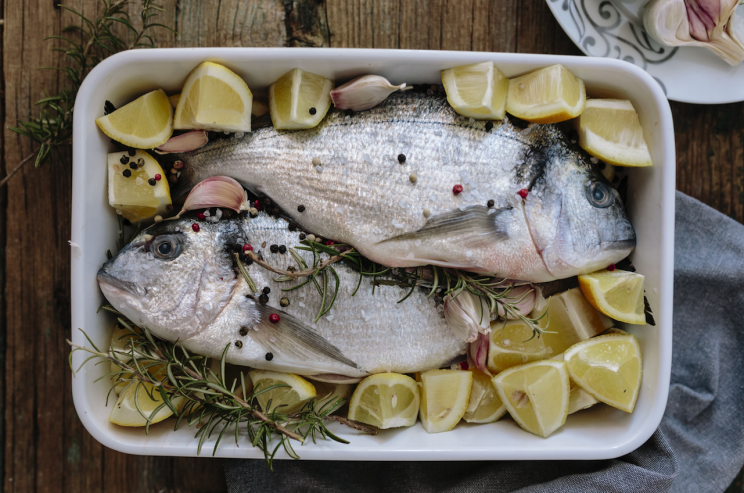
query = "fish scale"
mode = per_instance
[{"x": 362, "y": 195}]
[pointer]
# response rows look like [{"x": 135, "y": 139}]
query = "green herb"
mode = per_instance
[
  {"x": 85, "y": 46},
  {"x": 211, "y": 402}
]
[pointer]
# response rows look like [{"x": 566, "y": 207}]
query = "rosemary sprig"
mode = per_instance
[
  {"x": 210, "y": 401},
  {"x": 85, "y": 46}
]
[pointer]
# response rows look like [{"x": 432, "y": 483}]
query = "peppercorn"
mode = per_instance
[
  {"x": 178, "y": 164},
  {"x": 282, "y": 249},
  {"x": 349, "y": 112},
  {"x": 611, "y": 267},
  {"x": 169, "y": 207},
  {"x": 126, "y": 173},
  {"x": 292, "y": 227},
  {"x": 523, "y": 193},
  {"x": 300, "y": 208},
  {"x": 457, "y": 189},
  {"x": 132, "y": 165},
  {"x": 247, "y": 248},
  {"x": 158, "y": 177},
  {"x": 412, "y": 178},
  {"x": 195, "y": 227},
  {"x": 152, "y": 181},
  {"x": 269, "y": 356},
  {"x": 274, "y": 318},
  {"x": 302, "y": 236},
  {"x": 284, "y": 301},
  {"x": 238, "y": 344},
  {"x": 248, "y": 261},
  {"x": 173, "y": 179},
  {"x": 490, "y": 203},
  {"x": 131, "y": 152},
  {"x": 124, "y": 160},
  {"x": 263, "y": 299},
  {"x": 313, "y": 111},
  {"x": 401, "y": 158},
  {"x": 266, "y": 290},
  {"x": 266, "y": 201},
  {"x": 274, "y": 248},
  {"x": 257, "y": 205},
  {"x": 489, "y": 126},
  {"x": 329, "y": 243},
  {"x": 200, "y": 215},
  {"x": 244, "y": 331}
]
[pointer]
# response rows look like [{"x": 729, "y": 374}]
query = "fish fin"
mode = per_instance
[
  {"x": 473, "y": 226},
  {"x": 290, "y": 336}
]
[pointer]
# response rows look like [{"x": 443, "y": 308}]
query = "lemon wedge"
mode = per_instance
[
  {"x": 299, "y": 99},
  {"x": 476, "y": 91},
  {"x": 536, "y": 395},
  {"x": 578, "y": 399},
  {"x": 571, "y": 319},
  {"x": 174, "y": 100},
  {"x": 137, "y": 185},
  {"x": 214, "y": 98},
  {"x": 136, "y": 398},
  {"x": 285, "y": 400},
  {"x": 512, "y": 344},
  {"x": 328, "y": 393},
  {"x": 549, "y": 95},
  {"x": 445, "y": 395},
  {"x": 485, "y": 405},
  {"x": 385, "y": 400},
  {"x": 618, "y": 294},
  {"x": 609, "y": 129},
  {"x": 145, "y": 123},
  {"x": 608, "y": 368}
]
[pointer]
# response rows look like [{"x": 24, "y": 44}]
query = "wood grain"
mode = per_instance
[{"x": 46, "y": 447}]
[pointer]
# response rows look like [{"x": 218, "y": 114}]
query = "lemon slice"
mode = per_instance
[
  {"x": 571, "y": 319},
  {"x": 445, "y": 395},
  {"x": 512, "y": 344},
  {"x": 618, "y": 294},
  {"x": 385, "y": 400},
  {"x": 476, "y": 91},
  {"x": 329, "y": 393},
  {"x": 608, "y": 368},
  {"x": 145, "y": 123},
  {"x": 549, "y": 95},
  {"x": 609, "y": 129},
  {"x": 485, "y": 405},
  {"x": 214, "y": 98},
  {"x": 174, "y": 100},
  {"x": 285, "y": 400},
  {"x": 578, "y": 399},
  {"x": 126, "y": 413},
  {"x": 299, "y": 99},
  {"x": 138, "y": 186},
  {"x": 536, "y": 395}
]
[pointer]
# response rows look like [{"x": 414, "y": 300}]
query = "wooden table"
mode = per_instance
[{"x": 46, "y": 447}]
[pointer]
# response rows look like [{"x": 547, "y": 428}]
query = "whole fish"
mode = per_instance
[
  {"x": 410, "y": 182},
  {"x": 184, "y": 286}
]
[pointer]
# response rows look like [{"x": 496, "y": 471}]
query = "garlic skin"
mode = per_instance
[
  {"x": 185, "y": 142},
  {"x": 363, "y": 93},
  {"x": 217, "y": 191},
  {"x": 709, "y": 23},
  {"x": 467, "y": 315},
  {"x": 523, "y": 298}
]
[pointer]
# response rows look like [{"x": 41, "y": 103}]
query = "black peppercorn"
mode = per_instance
[
  {"x": 126, "y": 173},
  {"x": 300, "y": 208},
  {"x": 489, "y": 204},
  {"x": 401, "y": 158},
  {"x": 302, "y": 236},
  {"x": 489, "y": 126},
  {"x": 282, "y": 249},
  {"x": 313, "y": 111},
  {"x": 131, "y": 152},
  {"x": 124, "y": 159},
  {"x": 152, "y": 181},
  {"x": 244, "y": 331},
  {"x": 266, "y": 201},
  {"x": 266, "y": 290},
  {"x": 263, "y": 299},
  {"x": 248, "y": 261},
  {"x": 269, "y": 356},
  {"x": 132, "y": 165},
  {"x": 274, "y": 248},
  {"x": 238, "y": 344},
  {"x": 349, "y": 112}
]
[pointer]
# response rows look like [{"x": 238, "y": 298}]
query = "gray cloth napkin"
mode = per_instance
[{"x": 699, "y": 446}]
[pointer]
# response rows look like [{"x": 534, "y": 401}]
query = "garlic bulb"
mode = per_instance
[
  {"x": 363, "y": 93},
  {"x": 467, "y": 315},
  {"x": 709, "y": 23}
]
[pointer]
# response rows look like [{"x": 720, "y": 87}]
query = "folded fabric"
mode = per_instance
[{"x": 699, "y": 446}]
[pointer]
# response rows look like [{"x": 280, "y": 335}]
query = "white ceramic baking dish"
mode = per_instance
[{"x": 598, "y": 433}]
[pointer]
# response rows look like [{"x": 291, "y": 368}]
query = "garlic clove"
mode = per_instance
[
  {"x": 184, "y": 143},
  {"x": 217, "y": 191},
  {"x": 479, "y": 353},
  {"x": 363, "y": 93},
  {"x": 467, "y": 315},
  {"x": 522, "y": 297},
  {"x": 712, "y": 24}
]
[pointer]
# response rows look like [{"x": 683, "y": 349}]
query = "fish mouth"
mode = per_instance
[
  {"x": 627, "y": 244},
  {"x": 106, "y": 280}
]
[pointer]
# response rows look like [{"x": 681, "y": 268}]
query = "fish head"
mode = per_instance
[
  {"x": 173, "y": 279},
  {"x": 576, "y": 218}
]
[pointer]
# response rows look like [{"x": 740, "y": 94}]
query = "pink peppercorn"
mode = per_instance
[
  {"x": 274, "y": 318},
  {"x": 247, "y": 248},
  {"x": 464, "y": 365},
  {"x": 257, "y": 205},
  {"x": 195, "y": 227},
  {"x": 200, "y": 215},
  {"x": 457, "y": 189},
  {"x": 329, "y": 243},
  {"x": 158, "y": 177},
  {"x": 523, "y": 193},
  {"x": 611, "y": 267}
]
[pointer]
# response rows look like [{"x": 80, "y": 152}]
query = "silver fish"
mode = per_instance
[
  {"x": 353, "y": 175},
  {"x": 184, "y": 286}
]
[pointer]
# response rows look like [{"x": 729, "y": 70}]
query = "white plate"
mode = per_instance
[
  {"x": 614, "y": 29},
  {"x": 598, "y": 433}
]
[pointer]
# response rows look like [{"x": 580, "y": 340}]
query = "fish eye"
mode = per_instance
[
  {"x": 166, "y": 247},
  {"x": 599, "y": 195}
]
